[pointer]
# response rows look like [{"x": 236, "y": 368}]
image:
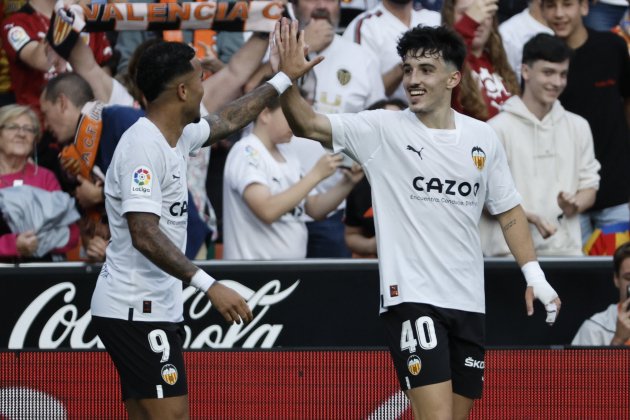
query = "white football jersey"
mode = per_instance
[
  {"x": 146, "y": 175},
  {"x": 245, "y": 236},
  {"x": 428, "y": 190},
  {"x": 378, "y": 30}
]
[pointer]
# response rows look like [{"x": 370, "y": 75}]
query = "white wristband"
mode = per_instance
[
  {"x": 280, "y": 82},
  {"x": 202, "y": 280}
]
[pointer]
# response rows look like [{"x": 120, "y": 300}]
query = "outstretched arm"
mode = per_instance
[
  {"x": 227, "y": 83},
  {"x": 287, "y": 55},
  {"x": 148, "y": 238},
  {"x": 242, "y": 111},
  {"x": 84, "y": 64},
  {"x": 517, "y": 235}
]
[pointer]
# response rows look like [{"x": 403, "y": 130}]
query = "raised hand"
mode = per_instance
[
  {"x": 481, "y": 10},
  {"x": 291, "y": 50}
]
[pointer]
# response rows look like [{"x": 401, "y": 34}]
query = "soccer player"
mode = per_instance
[
  {"x": 432, "y": 170},
  {"x": 137, "y": 304}
]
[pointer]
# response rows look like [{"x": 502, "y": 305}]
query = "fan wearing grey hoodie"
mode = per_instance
[{"x": 550, "y": 153}]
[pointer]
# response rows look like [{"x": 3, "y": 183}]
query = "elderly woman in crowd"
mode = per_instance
[{"x": 37, "y": 220}]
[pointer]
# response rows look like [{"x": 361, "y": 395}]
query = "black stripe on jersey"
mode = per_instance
[
  {"x": 130, "y": 316},
  {"x": 357, "y": 28}
]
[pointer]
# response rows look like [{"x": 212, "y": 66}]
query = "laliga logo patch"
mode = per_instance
[
  {"x": 343, "y": 76},
  {"x": 18, "y": 37},
  {"x": 141, "y": 181},
  {"x": 169, "y": 374},
  {"x": 478, "y": 157},
  {"x": 414, "y": 365}
]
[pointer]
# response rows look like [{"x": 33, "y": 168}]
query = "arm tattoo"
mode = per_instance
[
  {"x": 509, "y": 225},
  {"x": 237, "y": 114},
  {"x": 149, "y": 239}
]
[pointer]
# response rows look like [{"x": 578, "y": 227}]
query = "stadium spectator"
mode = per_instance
[
  {"x": 23, "y": 36},
  {"x": 6, "y": 91},
  {"x": 431, "y": 268},
  {"x": 550, "y": 154},
  {"x": 612, "y": 326},
  {"x": 71, "y": 112},
  {"x": 266, "y": 195},
  {"x": 487, "y": 79},
  {"x": 148, "y": 222},
  {"x": 378, "y": 30},
  {"x": 50, "y": 237},
  {"x": 519, "y": 29},
  {"x": 359, "y": 217},
  {"x": 348, "y": 80},
  {"x": 598, "y": 89}
]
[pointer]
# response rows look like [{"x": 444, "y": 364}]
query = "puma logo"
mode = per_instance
[{"x": 419, "y": 152}]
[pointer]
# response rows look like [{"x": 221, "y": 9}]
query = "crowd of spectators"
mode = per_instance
[{"x": 560, "y": 103}]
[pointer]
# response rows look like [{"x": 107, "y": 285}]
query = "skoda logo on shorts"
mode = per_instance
[
  {"x": 414, "y": 365},
  {"x": 169, "y": 374}
]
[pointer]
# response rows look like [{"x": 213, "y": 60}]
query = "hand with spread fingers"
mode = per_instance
[{"x": 288, "y": 50}]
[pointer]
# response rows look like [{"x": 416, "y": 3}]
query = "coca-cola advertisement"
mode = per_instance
[{"x": 297, "y": 304}]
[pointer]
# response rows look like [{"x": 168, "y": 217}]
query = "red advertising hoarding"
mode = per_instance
[{"x": 320, "y": 384}]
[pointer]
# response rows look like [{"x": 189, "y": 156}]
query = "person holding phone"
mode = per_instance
[
  {"x": 612, "y": 326},
  {"x": 266, "y": 194}
]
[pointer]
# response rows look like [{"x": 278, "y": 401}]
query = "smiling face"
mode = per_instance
[
  {"x": 17, "y": 137},
  {"x": 564, "y": 17},
  {"x": 545, "y": 81},
  {"x": 428, "y": 82}
]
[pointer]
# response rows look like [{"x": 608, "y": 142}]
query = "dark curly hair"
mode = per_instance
[
  {"x": 161, "y": 63},
  {"x": 431, "y": 41}
]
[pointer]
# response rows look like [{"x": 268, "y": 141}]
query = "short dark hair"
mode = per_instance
[
  {"x": 160, "y": 64},
  {"x": 431, "y": 41},
  {"x": 545, "y": 47},
  {"x": 75, "y": 87},
  {"x": 620, "y": 255},
  {"x": 387, "y": 102}
]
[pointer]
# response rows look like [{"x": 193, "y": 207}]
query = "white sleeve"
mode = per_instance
[
  {"x": 357, "y": 135},
  {"x": 139, "y": 174},
  {"x": 501, "y": 193},
  {"x": 195, "y": 135},
  {"x": 591, "y": 334},
  {"x": 120, "y": 95},
  {"x": 245, "y": 167}
]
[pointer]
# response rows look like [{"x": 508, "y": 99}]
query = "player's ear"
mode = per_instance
[{"x": 453, "y": 79}]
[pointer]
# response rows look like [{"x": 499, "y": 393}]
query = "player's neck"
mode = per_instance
[
  {"x": 163, "y": 119},
  {"x": 443, "y": 119},
  {"x": 45, "y": 7},
  {"x": 401, "y": 11}
]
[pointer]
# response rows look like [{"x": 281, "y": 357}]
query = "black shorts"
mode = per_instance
[
  {"x": 147, "y": 355},
  {"x": 430, "y": 345}
]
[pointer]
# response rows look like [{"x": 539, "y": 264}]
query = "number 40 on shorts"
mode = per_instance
[{"x": 425, "y": 331}]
